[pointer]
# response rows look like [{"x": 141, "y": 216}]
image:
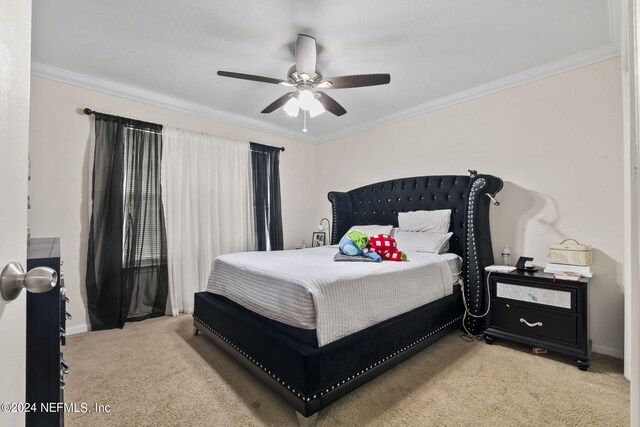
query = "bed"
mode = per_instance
[{"x": 309, "y": 361}]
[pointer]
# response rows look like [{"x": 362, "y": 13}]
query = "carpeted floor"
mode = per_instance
[{"x": 155, "y": 373}]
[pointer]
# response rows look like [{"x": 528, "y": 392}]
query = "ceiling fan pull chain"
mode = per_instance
[{"x": 304, "y": 119}]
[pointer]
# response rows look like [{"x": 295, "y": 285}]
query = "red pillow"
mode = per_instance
[{"x": 386, "y": 247}]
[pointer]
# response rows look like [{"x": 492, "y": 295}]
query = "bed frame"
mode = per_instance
[{"x": 310, "y": 378}]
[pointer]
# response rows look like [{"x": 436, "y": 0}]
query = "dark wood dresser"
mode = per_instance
[
  {"x": 46, "y": 322},
  {"x": 532, "y": 308}
]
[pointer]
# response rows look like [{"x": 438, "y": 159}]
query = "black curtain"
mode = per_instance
[
  {"x": 127, "y": 276},
  {"x": 265, "y": 161}
]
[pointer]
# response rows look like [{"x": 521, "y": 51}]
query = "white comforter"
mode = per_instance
[{"x": 307, "y": 289}]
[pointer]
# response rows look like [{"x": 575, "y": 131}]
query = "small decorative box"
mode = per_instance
[{"x": 572, "y": 254}]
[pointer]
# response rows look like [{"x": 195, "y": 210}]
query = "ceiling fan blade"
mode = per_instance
[
  {"x": 277, "y": 103},
  {"x": 331, "y": 105},
  {"x": 250, "y": 77},
  {"x": 358, "y": 80},
  {"x": 306, "y": 55}
]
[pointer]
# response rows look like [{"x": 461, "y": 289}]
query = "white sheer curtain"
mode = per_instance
[{"x": 208, "y": 201}]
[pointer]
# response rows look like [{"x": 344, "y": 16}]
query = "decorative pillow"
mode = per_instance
[
  {"x": 423, "y": 241},
  {"x": 386, "y": 247},
  {"x": 372, "y": 230},
  {"x": 435, "y": 221}
]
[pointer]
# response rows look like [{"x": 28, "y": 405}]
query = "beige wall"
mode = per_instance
[
  {"x": 557, "y": 143},
  {"x": 61, "y": 172}
]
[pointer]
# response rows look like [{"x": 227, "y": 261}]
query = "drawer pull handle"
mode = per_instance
[
  {"x": 531, "y": 325},
  {"x": 64, "y": 368}
]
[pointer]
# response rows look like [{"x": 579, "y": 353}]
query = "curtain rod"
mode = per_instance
[{"x": 89, "y": 111}]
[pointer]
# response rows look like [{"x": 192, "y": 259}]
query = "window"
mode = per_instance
[{"x": 142, "y": 236}]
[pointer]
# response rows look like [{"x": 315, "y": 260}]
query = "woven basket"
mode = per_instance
[{"x": 572, "y": 254}]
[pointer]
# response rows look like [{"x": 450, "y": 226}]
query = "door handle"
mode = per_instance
[{"x": 37, "y": 280}]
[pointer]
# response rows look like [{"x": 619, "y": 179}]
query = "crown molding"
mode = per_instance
[
  {"x": 139, "y": 94},
  {"x": 529, "y": 76},
  {"x": 608, "y": 51}
]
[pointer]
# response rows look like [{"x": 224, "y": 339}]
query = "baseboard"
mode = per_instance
[
  {"x": 78, "y": 329},
  {"x": 613, "y": 352}
]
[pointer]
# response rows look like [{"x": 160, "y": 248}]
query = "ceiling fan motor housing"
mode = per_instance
[{"x": 297, "y": 79}]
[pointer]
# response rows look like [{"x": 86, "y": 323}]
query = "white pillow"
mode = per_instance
[
  {"x": 436, "y": 221},
  {"x": 423, "y": 241},
  {"x": 372, "y": 230}
]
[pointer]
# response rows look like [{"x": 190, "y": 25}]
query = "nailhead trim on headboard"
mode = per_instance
[
  {"x": 474, "y": 271},
  {"x": 334, "y": 232}
]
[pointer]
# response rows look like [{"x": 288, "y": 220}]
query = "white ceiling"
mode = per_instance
[{"x": 438, "y": 52}]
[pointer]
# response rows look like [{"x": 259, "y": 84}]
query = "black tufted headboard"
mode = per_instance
[{"x": 380, "y": 203}]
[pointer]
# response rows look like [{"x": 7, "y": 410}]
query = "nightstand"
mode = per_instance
[{"x": 530, "y": 308}]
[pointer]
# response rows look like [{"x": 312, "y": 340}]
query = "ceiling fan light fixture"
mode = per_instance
[
  {"x": 324, "y": 85},
  {"x": 316, "y": 108},
  {"x": 306, "y": 99},
  {"x": 292, "y": 107}
]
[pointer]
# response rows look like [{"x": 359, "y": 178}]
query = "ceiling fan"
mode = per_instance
[{"x": 307, "y": 78}]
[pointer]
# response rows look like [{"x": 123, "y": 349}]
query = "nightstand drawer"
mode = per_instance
[
  {"x": 535, "y": 323},
  {"x": 534, "y": 295}
]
